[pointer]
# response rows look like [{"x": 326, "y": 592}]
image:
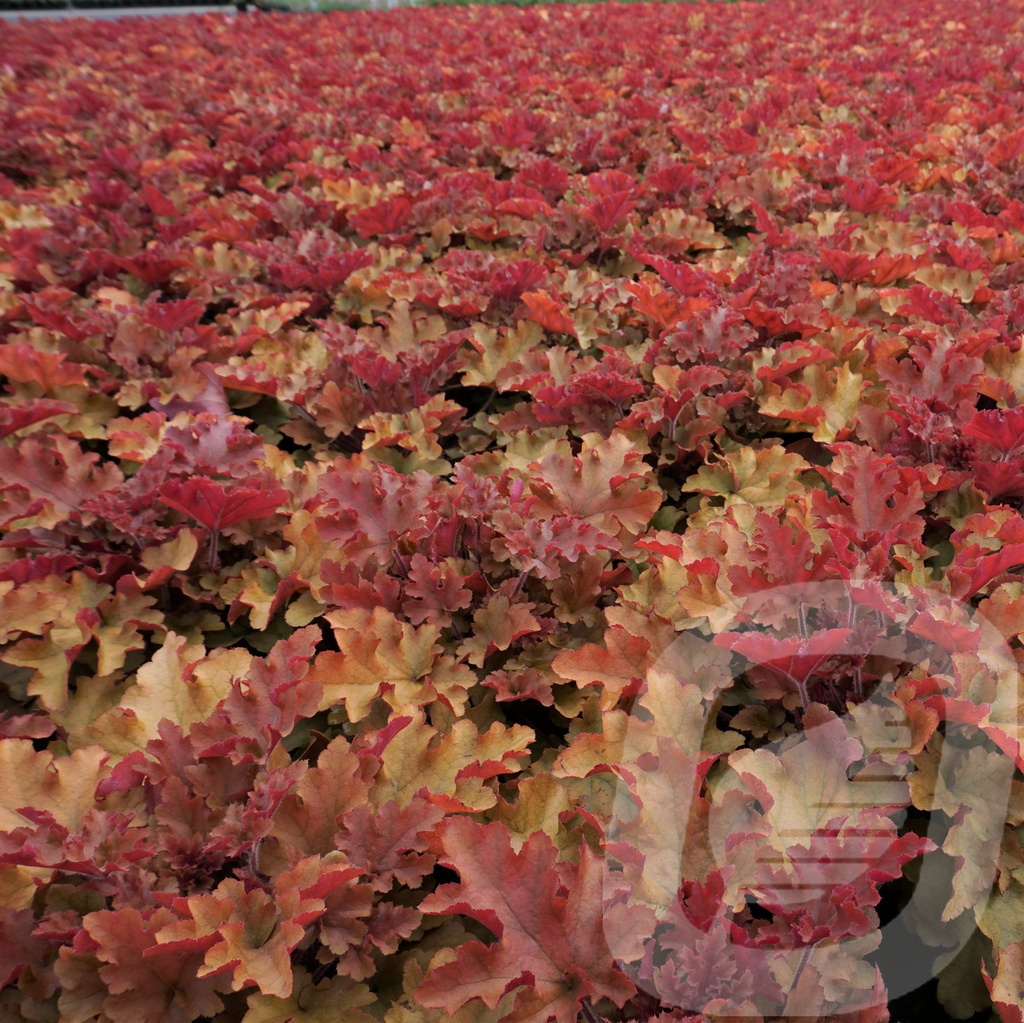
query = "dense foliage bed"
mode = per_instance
[{"x": 513, "y": 515}]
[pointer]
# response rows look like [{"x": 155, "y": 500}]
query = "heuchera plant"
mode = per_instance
[{"x": 513, "y": 515}]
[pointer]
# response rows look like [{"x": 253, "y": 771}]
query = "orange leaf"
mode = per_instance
[
  {"x": 47, "y": 370},
  {"x": 451, "y": 769},
  {"x": 619, "y": 667},
  {"x": 249, "y": 933},
  {"x": 663, "y": 307},
  {"x": 549, "y": 313}
]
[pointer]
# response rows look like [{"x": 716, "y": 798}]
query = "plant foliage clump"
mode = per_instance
[{"x": 513, "y": 515}]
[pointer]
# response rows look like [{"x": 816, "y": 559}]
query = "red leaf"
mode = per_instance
[
  {"x": 880, "y": 497},
  {"x": 998, "y": 428},
  {"x": 974, "y": 568},
  {"x": 608, "y": 211},
  {"x": 20, "y": 945},
  {"x": 16, "y": 417},
  {"x": 847, "y": 266},
  {"x": 212, "y": 506},
  {"x": 523, "y": 207},
  {"x": 369, "y": 510},
  {"x": 867, "y": 196},
  {"x": 794, "y": 658},
  {"x": 520, "y": 684},
  {"x": 1000, "y": 479},
  {"x": 688, "y": 280},
  {"x": 385, "y": 218}
]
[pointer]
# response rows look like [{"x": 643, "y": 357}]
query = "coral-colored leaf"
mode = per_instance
[
  {"x": 142, "y": 985},
  {"x": 307, "y": 820},
  {"x": 549, "y": 313},
  {"x": 548, "y": 919},
  {"x": 793, "y": 657},
  {"x": 56, "y": 480},
  {"x": 608, "y": 484},
  {"x": 390, "y": 842}
]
